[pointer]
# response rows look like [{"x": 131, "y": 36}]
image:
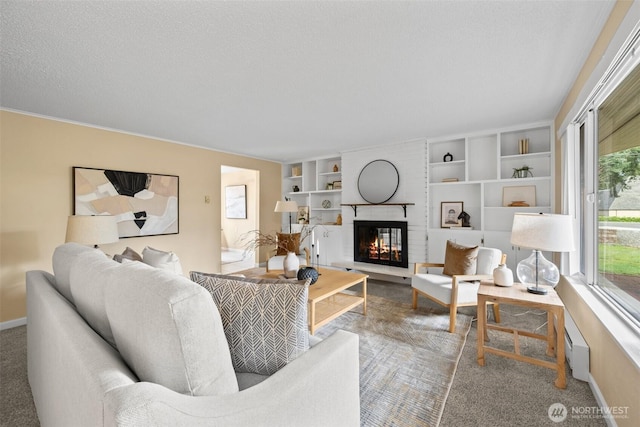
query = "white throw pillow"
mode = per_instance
[{"x": 161, "y": 259}]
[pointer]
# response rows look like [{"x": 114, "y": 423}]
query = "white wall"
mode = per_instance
[{"x": 410, "y": 158}]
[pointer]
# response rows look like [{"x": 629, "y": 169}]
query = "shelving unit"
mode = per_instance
[
  {"x": 482, "y": 166},
  {"x": 312, "y": 177}
]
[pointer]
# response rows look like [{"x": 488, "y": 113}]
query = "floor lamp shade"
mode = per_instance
[
  {"x": 541, "y": 232},
  {"x": 286, "y": 206},
  {"x": 92, "y": 229}
]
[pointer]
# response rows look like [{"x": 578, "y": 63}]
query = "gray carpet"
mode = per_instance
[
  {"x": 502, "y": 393},
  {"x": 407, "y": 361}
]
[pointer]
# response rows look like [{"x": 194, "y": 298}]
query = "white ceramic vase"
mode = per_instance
[
  {"x": 502, "y": 276},
  {"x": 291, "y": 264}
]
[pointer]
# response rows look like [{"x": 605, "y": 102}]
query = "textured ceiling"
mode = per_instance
[{"x": 288, "y": 80}]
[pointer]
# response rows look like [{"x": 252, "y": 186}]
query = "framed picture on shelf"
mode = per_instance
[
  {"x": 303, "y": 215},
  {"x": 519, "y": 196},
  {"x": 449, "y": 212}
]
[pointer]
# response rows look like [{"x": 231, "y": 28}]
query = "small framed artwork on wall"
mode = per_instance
[
  {"x": 449, "y": 212},
  {"x": 235, "y": 201}
]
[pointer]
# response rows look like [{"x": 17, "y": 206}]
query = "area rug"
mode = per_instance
[{"x": 407, "y": 361}]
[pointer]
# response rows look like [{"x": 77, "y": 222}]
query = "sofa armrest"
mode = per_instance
[{"x": 319, "y": 388}]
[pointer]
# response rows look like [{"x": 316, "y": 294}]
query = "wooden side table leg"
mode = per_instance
[
  {"x": 561, "y": 379},
  {"x": 482, "y": 320},
  {"x": 551, "y": 333}
]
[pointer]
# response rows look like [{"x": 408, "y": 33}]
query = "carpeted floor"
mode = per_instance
[
  {"x": 502, "y": 393},
  {"x": 407, "y": 361}
]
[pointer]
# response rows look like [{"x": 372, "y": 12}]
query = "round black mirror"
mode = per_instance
[{"x": 378, "y": 181}]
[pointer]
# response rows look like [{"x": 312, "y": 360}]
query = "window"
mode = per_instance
[
  {"x": 608, "y": 203},
  {"x": 618, "y": 195}
]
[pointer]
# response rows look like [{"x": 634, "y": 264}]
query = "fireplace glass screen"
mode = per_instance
[{"x": 381, "y": 242}]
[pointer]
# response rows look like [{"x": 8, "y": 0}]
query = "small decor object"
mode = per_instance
[
  {"x": 144, "y": 204},
  {"x": 308, "y": 273},
  {"x": 295, "y": 188},
  {"x": 336, "y": 168},
  {"x": 523, "y": 146},
  {"x": 519, "y": 196},
  {"x": 541, "y": 232},
  {"x": 465, "y": 217},
  {"x": 523, "y": 172},
  {"x": 339, "y": 219},
  {"x": 296, "y": 170},
  {"x": 450, "y": 180},
  {"x": 290, "y": 264},
  {"x": 326, "y": 204},
  {"x": 329, "y": 186},
  {"x": 447, "y": 157},
  {"x": 337, "y": 185},
  {"x": 449, "y": 212},
  {"x": 502, "y": 275},
  {"x": 235, "y": 201}
]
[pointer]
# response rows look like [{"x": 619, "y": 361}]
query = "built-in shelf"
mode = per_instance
[{"x": 354, "y": 206}]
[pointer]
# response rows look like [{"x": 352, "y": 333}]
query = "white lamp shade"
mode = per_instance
[
  {"x": 286, "y": 206},
  {"x": 92, "y": 229},
  {"x": 544, "y": 232}
]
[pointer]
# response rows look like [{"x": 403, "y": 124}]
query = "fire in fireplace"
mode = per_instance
[{"x": 381, "y": 242}]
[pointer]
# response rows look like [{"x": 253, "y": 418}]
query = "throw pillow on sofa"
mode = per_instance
[
  {"x": 161, "y": 259},
  {"x": 128, "y": 254},
  {"x": 265, "y": 321}
]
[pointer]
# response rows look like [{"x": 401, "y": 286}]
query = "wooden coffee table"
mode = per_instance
[{"x": 326, "y": 299}]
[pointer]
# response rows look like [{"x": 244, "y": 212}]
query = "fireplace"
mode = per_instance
[{"x": 381, "y": 242}]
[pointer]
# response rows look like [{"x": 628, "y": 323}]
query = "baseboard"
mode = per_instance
[
  {"x": 611, "y": 422},
  {"x": 13, "y": 323}
]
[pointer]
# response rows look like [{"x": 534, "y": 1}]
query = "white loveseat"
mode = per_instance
[{"x": 131, "y": 345}]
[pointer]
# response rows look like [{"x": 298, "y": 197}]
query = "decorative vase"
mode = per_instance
[
  {"x": 308, "y": 273},
  {"x": 502, "y": 276},
  {"x": 290, "y": 265}
]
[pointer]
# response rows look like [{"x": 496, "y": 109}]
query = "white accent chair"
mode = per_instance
[
  {"x": 292, "y": 241},
  {"x": 457, "y": 290}
]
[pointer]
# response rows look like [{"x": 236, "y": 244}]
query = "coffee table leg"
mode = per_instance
[
  {"x": 364, "y": 295},
  {"x": 482, "y": 320},
  {"x": 312, "y": 318}
]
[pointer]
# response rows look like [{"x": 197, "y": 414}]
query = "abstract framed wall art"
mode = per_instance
[
  {"x": 144, "y": 204},
  {"x": 235, "y": 201}
]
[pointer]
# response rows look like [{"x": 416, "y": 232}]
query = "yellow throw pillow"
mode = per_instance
[{"x": 460, "y": 259}]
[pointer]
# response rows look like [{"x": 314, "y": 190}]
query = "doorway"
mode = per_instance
[{"x": 238, "y": 217}]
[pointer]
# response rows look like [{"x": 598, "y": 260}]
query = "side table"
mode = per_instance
[{"x": 518, "y": 295}]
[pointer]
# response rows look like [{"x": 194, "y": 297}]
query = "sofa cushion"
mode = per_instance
[
  {"x": 169, "y": 331},
  {"x": 91, "y": 273},
  {"x": 161, "y": 259},
  {"x": 63, "y": 257},
  {"x": 265, "y": 321},
  {"x": 459, "y": 259},
  {"x": 128, "y": 254}
]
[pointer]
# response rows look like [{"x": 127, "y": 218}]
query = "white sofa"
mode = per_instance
[{"x": 131, "y": 345}]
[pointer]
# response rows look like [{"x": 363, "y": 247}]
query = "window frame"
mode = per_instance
[{"x": 582, "y": 163}]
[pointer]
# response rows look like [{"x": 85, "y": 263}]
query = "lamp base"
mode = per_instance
[{"x": 537, "y": 290}]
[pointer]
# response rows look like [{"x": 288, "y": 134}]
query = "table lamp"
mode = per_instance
[
  {"x": 92, "y": 229},
  {"x": 541, "y": 232},
  {"x": 286, "y": 206}
]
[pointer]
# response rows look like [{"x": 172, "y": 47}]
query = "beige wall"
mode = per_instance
[
  {"x": 36, "y": 158},
  {"x": 617, "y": 377}
]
